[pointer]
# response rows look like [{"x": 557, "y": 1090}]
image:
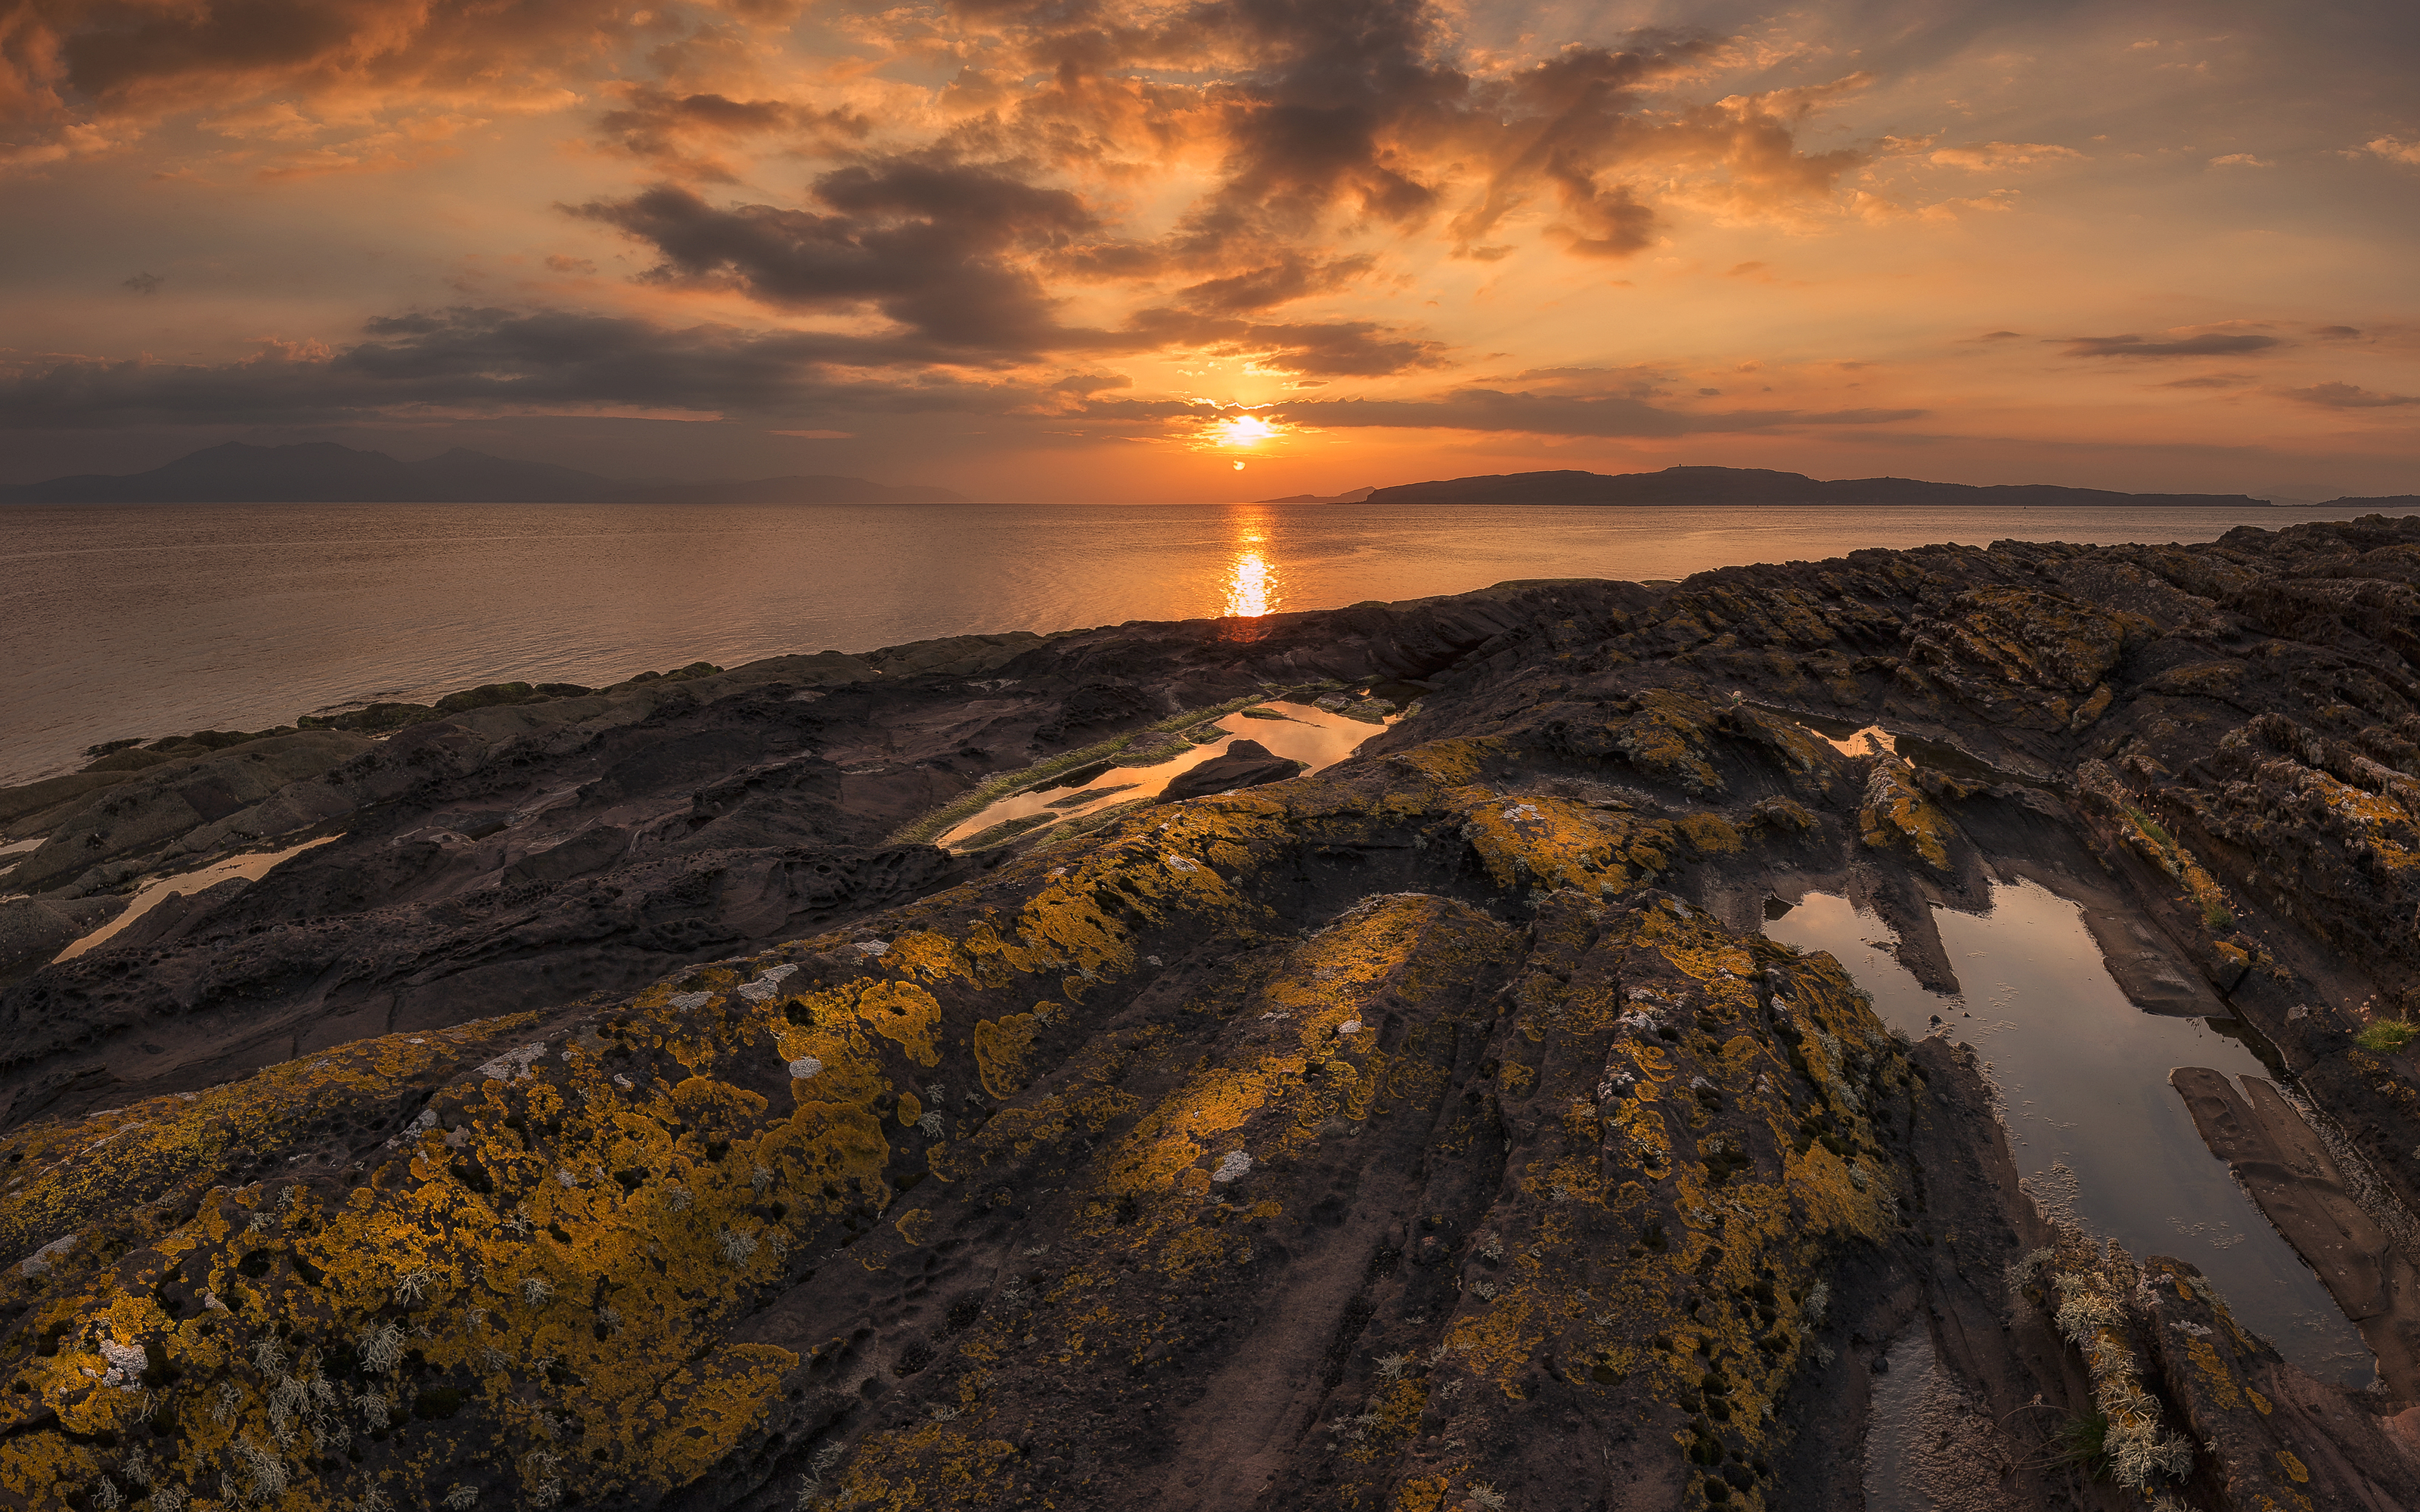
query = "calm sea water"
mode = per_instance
[{"x": 125, "y": 620}]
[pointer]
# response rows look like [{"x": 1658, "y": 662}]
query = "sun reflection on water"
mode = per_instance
[{"x": 1251, "y": 583}]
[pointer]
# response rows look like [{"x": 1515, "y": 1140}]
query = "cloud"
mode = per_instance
[
  {"x": 1543, "y": 414},
  {"x": 2336, "y": 333},
  {"x": 1333, "y": 348},
  {"x": 469, "y": 360},
  {"x": 66, "y": 64},
  {"x": 1998, "y": 156},
  {"x": 2209, "y": 381},
  {"x": 2348, "y": 396},
  {"x": 144, "y": 283},
  {"x": 1291, "y": 276},
  {"x": 2210, "y": 343},
  {"x": 933, "y": 246},
  {"x": 675, "y": 132},
  {"x": 2394, "y": 150},
  {"x": 2240, "y": 160}
]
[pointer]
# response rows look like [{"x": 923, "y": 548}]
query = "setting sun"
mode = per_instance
[{"x": 1240, "y": 430}]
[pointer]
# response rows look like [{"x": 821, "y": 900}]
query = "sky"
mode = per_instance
[{"x": 1221, "y": 248}]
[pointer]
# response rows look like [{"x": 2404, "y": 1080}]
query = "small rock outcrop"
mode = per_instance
[{"x": 1246, "y": 763}]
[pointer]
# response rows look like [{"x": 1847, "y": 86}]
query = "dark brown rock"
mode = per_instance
[{"x": 1246, "y": 763}]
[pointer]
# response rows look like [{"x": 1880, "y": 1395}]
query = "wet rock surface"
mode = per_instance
[
  {"x": 1246, "y": 763},
  {"x": 618, "y": 1111}
]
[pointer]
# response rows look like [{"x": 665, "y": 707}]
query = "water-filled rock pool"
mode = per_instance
[
  {"x": 1314, "y": 736},
  {"x": 2096, "y": 1132}
]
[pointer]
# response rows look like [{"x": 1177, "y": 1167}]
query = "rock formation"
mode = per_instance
[{"x": 631, "y": 1107}]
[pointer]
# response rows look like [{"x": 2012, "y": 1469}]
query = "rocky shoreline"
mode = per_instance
[{"x": 628, "y": 1105}]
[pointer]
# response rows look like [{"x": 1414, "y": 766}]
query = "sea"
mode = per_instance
[{"x": 125, "y": 621}]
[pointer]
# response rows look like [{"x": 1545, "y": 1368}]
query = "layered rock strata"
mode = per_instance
[{"x": 629, "y": 1109}]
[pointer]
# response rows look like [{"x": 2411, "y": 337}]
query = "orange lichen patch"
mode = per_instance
[
  {"x": 2139, "y": 833},
  {"x": 903, "y": 1012},
  {"x": 928, "y": 1466},
  {"x": 1387, "y": 1423},
  {"x": 1667, "y": 736},
  {"x": 1449, "y": 764},
  {"x": 927, "y": 957},
  {"x": 1422, "y": 1494},
  {"x": 1711, "y": 834},
  {"x": 1002, "y": 1045},
  {"x": 69, "y": 1172},
  {"x": 1556, "y": 843},
  {"x": 2030, "y": 636},
  {"x": 2294, "y": 1466},
  {"x": 1897, "y": 813},
  {"x": 2222, "y": 1381},
  {"x": 704, "y": 1408},
  {"x": 1405, "y": 948}
]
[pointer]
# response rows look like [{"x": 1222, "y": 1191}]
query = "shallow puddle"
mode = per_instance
[
  {"x": 2094, "y": 1126},
  {"x": 1928, "y": 1444},
  {"x": 251, "y": 868},
  {"x": 1303, "y": 733}
]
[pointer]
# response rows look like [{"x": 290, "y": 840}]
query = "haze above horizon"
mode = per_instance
[{"x": 1136, "y": 250}]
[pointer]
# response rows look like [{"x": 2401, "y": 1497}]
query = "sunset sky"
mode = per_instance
[{"x": 1101, "y": 249}]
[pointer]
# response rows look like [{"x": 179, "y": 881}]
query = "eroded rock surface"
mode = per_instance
[{"x": 629, "y": 1110}]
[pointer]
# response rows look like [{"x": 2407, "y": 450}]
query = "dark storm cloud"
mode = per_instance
[
  {"x": 931, "y": 246},
  {"x": 2211, "y": 344},
  {"x": 485, "y": 361}
]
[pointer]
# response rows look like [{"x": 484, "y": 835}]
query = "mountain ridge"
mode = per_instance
[
  {"x": 327, "y": 473},
  {"x": 1757, "y": 486}
]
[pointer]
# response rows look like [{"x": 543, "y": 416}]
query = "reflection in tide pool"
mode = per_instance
[{"x": 2094, "y": 1126}]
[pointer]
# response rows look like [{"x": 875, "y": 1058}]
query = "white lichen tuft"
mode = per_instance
[
  {"x": 411, "y": 1286},
  {"x": 738, "y": 1248},
  {"x": 264, "y": 1470},
  {"x": 381, "y": 1348}
]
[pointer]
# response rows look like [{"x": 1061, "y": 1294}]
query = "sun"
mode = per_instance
[{"x": 1240, "y": 430}]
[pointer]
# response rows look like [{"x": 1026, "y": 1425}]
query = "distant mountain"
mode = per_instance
[
  {"x": 322, "y": 472},
  {"x": 1759, "y": 486},
  {"x": 1350, "y": 497}
]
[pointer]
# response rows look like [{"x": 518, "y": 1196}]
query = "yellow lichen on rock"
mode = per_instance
[{"x": 1897, "y": 813}]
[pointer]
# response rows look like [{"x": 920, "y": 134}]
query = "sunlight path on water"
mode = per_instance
[{"x": 2093, "y": 1124}]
